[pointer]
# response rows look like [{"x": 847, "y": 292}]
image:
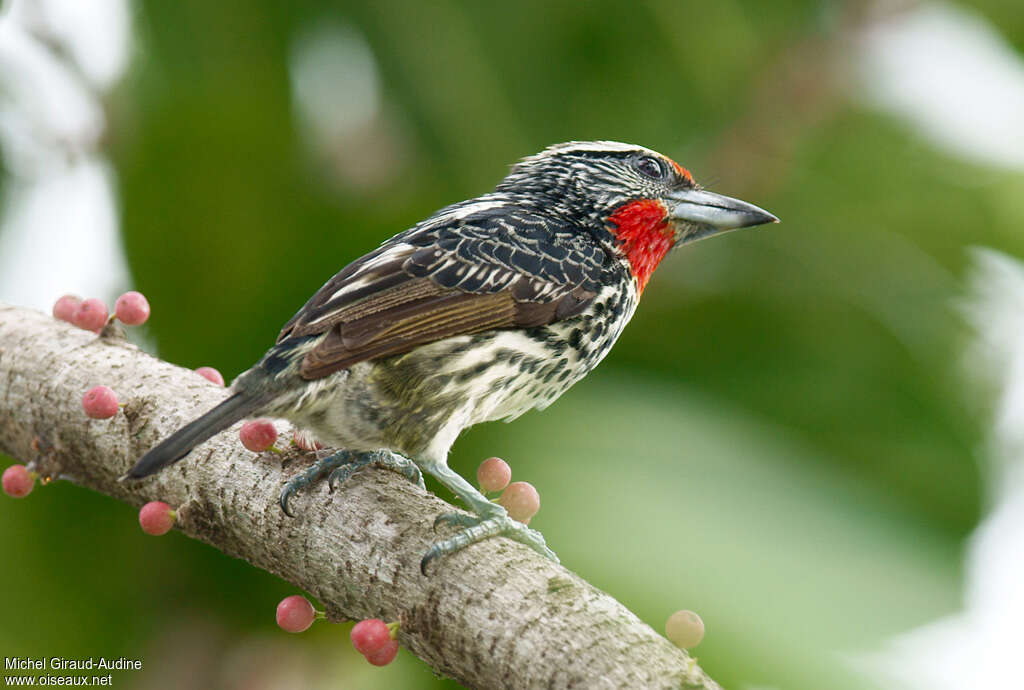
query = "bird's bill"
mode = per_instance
[{"x": 702, "y": 213}]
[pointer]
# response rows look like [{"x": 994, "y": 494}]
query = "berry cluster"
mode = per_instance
[
  {"x": 373, "y": 638},
  {"x": 100, "y": 402},
  {"x": 131, "y": 309},
  {"x": 520, "y": 499}
]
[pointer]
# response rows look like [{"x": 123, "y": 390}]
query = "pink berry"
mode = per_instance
[
  {"x": 385, "y": 655},
  {"x": 521, "y": 501},
  {"x": 295, "y": 614},
  {"x": 684, "y": 629},
  {"x": 99, "y": 402},
  {"x": 370, "y": 636},
  {"x": 132, "y": 308},
  {"x": 493, "y": 474},
  {"x": 211, "y": 374},
  {"x": 305, "y": 441},
  {"x": 18, "y": 481},
  {"x": 65, "y": 307},
  {"x": 90, "y": 315},
  {"x": 156, "y": 518},
  {"x": 258, "y": 435}
]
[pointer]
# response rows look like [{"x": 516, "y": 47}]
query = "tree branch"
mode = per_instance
[{"x": 495, "y": 615}]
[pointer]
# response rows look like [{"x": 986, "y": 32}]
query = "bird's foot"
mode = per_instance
[
  {"x": 477, "y": 528},
  {"x": 383, "y": 459},
  {"x": 342, "y": 465}
]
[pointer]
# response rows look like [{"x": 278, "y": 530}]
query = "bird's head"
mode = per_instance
[{"x": 638, "y": 202}]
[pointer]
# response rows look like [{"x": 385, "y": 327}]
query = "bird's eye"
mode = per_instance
[{"x": 651, "y": 167}]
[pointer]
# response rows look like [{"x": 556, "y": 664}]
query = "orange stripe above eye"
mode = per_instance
[{"x": 683, "y": 172}]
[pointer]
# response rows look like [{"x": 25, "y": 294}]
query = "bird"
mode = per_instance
[{"x": 488, "y": 308}]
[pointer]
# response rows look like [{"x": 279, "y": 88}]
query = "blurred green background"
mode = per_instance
[{"x": 782, "y": 440}]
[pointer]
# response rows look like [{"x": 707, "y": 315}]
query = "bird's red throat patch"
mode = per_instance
[{"x": 642, "y": 228}]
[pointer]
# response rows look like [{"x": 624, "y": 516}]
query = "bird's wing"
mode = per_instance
[{"x": 496, "y": 268}]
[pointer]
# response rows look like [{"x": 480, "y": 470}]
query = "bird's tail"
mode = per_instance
[{"x": 177, "y": 445}]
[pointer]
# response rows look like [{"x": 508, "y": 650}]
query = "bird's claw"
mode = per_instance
[
  {"x": 286, "y": 494},
  {"x": 477, "y": 529},
  {"x": 312, "y": 474},
  {"x": 342, "y": 465}
]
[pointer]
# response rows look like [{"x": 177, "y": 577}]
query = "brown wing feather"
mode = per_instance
[
  {"x": 398, "y": 330},
  {"x": 371, "y": 332}
]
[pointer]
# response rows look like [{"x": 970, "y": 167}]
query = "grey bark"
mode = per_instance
[{"x": 495, "y": 615}]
